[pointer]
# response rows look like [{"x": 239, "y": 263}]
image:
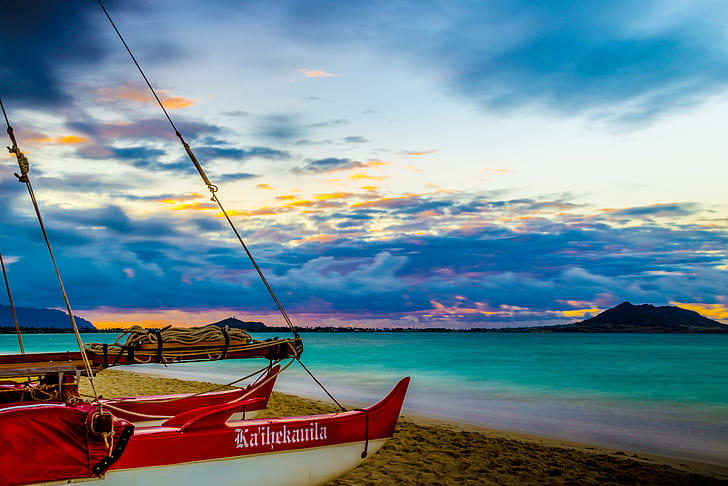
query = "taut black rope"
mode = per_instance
[
  {"x": 24, "y": 177},
  {"x": 12, "y": 305},
  {"x": 210, "y": 186},
  {"x": 213, "y": 191}
]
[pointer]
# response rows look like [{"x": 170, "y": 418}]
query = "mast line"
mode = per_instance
[
  {"x": 210, "y": 186},
  {"x": 12, "y": 306},
  {"x": 24, "y": 177}
]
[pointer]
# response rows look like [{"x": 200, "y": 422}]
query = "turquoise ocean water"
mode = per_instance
[{"x": 664, "y": 394}]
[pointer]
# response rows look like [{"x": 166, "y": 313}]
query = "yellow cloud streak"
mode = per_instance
[
  {"x": 333, "y": 195},
  {"x": 580, "y": 312},
  {"x": 365, "y": 177},
  {"x": 190, "y": 201},
  {"x": 712, "y": 311},
  {"x": 200, "y": 206},
  {"x": 64, "y": 140}
]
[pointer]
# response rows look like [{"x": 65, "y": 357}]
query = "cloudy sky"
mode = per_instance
[{"x": 390, "y": 163}]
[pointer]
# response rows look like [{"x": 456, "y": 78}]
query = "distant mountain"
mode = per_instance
[
  {"x": 29, "y": 317},
  {"x": 234, "y": 323},
  {"x": 647, "y": 318}
]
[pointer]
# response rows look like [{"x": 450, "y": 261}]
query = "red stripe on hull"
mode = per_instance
[{"x": 160, "y": 446}]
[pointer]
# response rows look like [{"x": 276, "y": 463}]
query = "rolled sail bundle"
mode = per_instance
[{"x": 180, "y": 344}]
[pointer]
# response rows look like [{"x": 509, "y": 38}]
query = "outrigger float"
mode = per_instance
[{"x": 51, "y": 435}]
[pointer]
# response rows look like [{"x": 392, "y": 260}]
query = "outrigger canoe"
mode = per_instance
[{"x": 62, "y": 444}]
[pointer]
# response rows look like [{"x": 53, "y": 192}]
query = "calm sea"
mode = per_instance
[{"x": 664, "y": 394}]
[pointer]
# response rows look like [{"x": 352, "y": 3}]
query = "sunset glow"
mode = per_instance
[{"x": 478, "y": 165}]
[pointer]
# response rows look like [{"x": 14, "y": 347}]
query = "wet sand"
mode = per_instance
[{"x": 431, "y": 453}]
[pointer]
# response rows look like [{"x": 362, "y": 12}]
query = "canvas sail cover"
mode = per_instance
[{"x": 53, "y": 442}]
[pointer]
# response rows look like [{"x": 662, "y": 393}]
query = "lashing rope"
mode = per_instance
[
  {"x": 145, "y": 346},
  {"x": 181, "y": 335}
]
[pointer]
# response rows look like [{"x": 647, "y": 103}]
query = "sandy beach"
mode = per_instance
[{"x": 426, "y": 452}]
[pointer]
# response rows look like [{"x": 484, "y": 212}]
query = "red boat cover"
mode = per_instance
[{"x": 54, "y": 442}]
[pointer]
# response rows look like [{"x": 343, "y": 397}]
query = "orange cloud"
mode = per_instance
[
  {"x": 497, "y": 171},
  {"x": 200, "y": 206},
  {"x": 359, "y": 177},
  {"x": 302, "y": 202},
  {"x": 333, "y": 195},
  {"x": 174, "y": 102},
  {"x": 65, "y": 140},
  {"x": 313, "y": 73},
  {"x": 190, "y": 201},
  {"x": 71, "y": 139},
  {"x": 267, "y": 187},
  {"x": 140, "y": 94},
  {"x": 420, "y": 152},
  {"x": 131, "y": 93},
  {"x": 376, "y": 163}
]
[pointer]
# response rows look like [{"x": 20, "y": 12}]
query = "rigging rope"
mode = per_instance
[
  {"x": 213, "y": 191},
  {"x": 210, "y": 186},
  {"x": 24, "y": 166},
  {"x": 12, "y": 305}
]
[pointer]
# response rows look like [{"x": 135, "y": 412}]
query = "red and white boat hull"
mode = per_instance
[
  {"x": 200, "y": 446},
  {"x": 303, "y": 467}
]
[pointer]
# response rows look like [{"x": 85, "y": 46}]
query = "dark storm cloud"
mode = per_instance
[
  {"x": 146, "y": 154},
  {"x": 574, "y": 57},
  {"x": 504, "y": 268},
  {"x": 621, "y": 61},
  {"x": 473, "y": 261},
  {"x": 235, "y": 153},
  {"x": 149, "y": 129},
  {"x": 280, "y": 128},
  {"x": 675, "y": 209},
  {"x": 41, "y": 40}
]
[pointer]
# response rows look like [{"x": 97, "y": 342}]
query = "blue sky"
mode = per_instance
[{"x": 429, "y": 163}]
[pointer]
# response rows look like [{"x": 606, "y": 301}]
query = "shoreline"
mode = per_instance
[
  {"x": 429, "y": 451},
  {"x": 686, "y": 464}
]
